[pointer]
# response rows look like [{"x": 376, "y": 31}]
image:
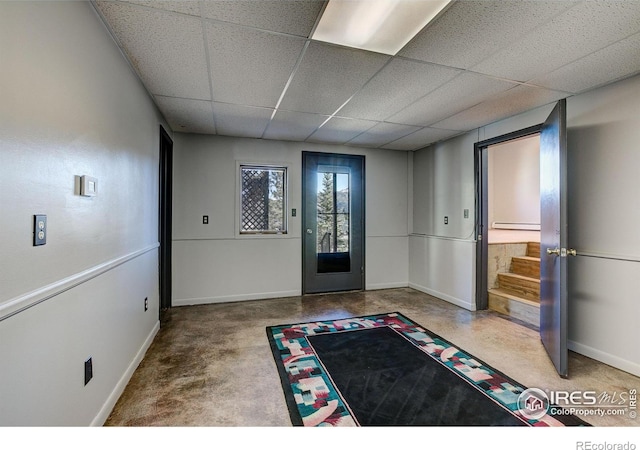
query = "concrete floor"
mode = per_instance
[{"x": 211, "y": 365}]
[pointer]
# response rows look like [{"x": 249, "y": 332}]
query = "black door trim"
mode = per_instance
[{"x": 165, "y": 217}]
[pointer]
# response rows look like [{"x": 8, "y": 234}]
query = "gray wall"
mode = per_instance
[
  {"x": 213, "y": 263},
  {"x": 603, "y": 136},
  {"x": 70, "y": 105},
  {"x": 514, "y": 182}
]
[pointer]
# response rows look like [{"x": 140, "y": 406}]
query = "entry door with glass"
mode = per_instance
[{"x": 333, "y": 222}]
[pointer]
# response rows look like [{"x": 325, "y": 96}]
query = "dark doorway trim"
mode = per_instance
[
  {"x": 481, "y": 158},
  {"x": 165, "y": 210}
]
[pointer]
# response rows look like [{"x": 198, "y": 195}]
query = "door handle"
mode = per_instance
[
  {"x": 309, "y": 231},
  {"x": 562, "y": 252}
]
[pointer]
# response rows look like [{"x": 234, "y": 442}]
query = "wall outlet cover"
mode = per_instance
[{"x": 39, "y": 229}]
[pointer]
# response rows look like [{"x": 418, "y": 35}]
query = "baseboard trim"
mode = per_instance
[
  {"x": 111, "y": 401},
  {"x": 234, "y": 298},
  {"x": 443, "y": 296},
  {"x": 22, "y": 302},
  {"x": 605, "y": 357},
  {"x": 379, "y": 286}
]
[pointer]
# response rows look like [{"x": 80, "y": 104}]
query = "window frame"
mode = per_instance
[{"x": 285, "y": 167}]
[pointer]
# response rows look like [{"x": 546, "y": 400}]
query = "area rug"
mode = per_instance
[{"x": 387, "y": 370}]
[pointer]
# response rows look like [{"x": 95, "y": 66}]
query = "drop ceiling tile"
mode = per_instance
[
  {"x": 469, "y": 31},
  {"x": 381, "y": 134},
  {"x": 420, "y": 139},
  {"x": 579, "y": 31},
  {"x": 506, "y": 104},
  {"x": 249, "y": 66},
  {"x": 190, "y": 7},
  {"x": 396, "y": 86},
  {"x": 328, "y": 75},
  {"x": 614, "y": 62},
  {"x": 166, "y": 49},
  {"x": 295, "y": 17},
  {"x": 187, "y": 116},
  {"x": 293, "y": 126},
  {"x": 241, "y": 121},
  {"x": 460, "y": 93},
  {"x": 339, "y": 130}
]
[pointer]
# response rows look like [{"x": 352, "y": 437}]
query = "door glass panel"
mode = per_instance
[{"x": 333, "y": 219}]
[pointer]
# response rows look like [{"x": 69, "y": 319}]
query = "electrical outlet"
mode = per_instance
[
  {"x": 446, "y": 220},
  {"x": 294, "y": 212},
  {"x": 39, "y": 229},
  {"x": 466, "y": 213},
  {"x": 205, "y": 220},
  {"x": 146, "y": 303},
  {"x": 88, "y": 371}
]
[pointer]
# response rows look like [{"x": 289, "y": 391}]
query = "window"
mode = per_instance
[
  {"x": 263, "y": 199},
  {"x": 333, "y": 212}
]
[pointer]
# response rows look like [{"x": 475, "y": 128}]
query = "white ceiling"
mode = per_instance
[{"x": 248, "y": 68}]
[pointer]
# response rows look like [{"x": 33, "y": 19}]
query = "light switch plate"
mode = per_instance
[
  {"x": 88, "y": 186},
  {"x": 88, "y": 370}
]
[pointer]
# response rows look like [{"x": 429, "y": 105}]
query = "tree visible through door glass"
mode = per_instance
[{"x": 333, "y": 222}]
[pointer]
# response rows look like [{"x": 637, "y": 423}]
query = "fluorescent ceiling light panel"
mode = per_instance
[{"x": 383, "y": 26}]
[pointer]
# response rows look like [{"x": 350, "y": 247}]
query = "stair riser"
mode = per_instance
[
  {"x": 513, "y": 308},
  {"x": 529, "y": 289},
  {"x": 533, "y": 249},
  {"x": 525, "y": 267}
]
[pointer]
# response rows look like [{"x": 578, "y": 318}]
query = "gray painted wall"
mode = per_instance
[
  {"x": 603, "y": 136},
  {"x": 514, "y": 182},
  {"x": 213, "y": 263},
  {"x": 70, "y": 105}
]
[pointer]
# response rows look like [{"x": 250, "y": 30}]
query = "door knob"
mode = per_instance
[
  {"x": 563, "y": 252},
  {"x": 309, "y": 231}
]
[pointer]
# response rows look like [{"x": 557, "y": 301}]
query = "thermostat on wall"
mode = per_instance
[{"x": 88, "y": 186}]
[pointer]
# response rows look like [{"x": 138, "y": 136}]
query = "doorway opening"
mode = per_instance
[
  {"x": 508, "y": 211},
  {"x": 552, "y": 250},
  {"x": 513, "y": 260},
  {"x": 165, "y": 217}
]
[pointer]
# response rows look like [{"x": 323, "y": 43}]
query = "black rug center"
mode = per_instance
[{"x": 386, "y": 380}]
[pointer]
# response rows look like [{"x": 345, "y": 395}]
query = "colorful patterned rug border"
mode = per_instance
[{"x": 313, "y": 400}]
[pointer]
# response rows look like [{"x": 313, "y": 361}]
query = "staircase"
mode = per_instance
[{"x": 518, "y": 291}]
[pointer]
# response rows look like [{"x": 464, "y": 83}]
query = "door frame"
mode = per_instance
[
  {"x": 303, "y": 232},
  {"x": 481, "y": 170},
  {"x": 165, "y": 217}
]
